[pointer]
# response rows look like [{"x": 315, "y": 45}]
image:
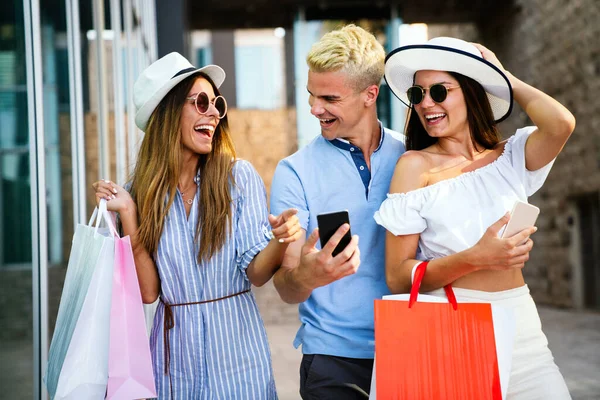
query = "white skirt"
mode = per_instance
[{"x": 533, "y": 375}]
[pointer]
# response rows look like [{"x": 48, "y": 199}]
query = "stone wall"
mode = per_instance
[{"x": 553, "y": 45}]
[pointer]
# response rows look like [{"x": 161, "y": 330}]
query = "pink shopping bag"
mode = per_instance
[{"x": 130, "y": 374}]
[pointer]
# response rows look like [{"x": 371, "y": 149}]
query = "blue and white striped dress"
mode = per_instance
[{"x": 218, "y": 350}]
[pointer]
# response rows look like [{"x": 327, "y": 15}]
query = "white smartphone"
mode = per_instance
[{"x": 523, "y": 215}]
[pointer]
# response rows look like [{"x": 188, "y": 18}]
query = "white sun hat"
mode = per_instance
[
  {"x": 160, "y": 77},
  {"x": 452, "y": 55}
]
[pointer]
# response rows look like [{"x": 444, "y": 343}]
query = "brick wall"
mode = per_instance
[{"x": 264, "y": 138}]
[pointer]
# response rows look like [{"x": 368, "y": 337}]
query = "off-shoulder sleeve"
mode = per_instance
[
  {"x": 532, "y": 180},
  {"x": 400, "y": 213}
]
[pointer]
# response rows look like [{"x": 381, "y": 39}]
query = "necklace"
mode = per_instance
[{"x": 190, "y": 200}]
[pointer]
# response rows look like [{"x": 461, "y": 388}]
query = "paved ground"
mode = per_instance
[{"x": 574, "y": 338}]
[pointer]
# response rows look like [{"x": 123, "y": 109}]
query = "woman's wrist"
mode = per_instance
[
  {"x": 514, "y": 81},
  {"x": 129, "y": 209},
  {"x": 470, "y": 260},
  {"x": 279, "y": 248}
]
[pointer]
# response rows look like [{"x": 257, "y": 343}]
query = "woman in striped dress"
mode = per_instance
[{"x": 201, "y": 235}]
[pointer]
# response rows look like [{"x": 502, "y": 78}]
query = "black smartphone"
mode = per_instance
[{"x": 329, "y": 224}]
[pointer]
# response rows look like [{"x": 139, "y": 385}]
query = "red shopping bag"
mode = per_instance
[
  {"x": 429, "y": 351},
  {"x": 130, "y": 374}
]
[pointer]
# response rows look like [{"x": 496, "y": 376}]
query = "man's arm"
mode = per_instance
[
  {"x": 286, "y": 280},
  {"x": 305, "y": 268}
]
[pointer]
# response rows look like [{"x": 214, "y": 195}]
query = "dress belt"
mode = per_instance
[{"x": 169, "y": 322}]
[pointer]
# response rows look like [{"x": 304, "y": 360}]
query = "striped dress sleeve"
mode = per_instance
[{"x": 252, "y": 224}]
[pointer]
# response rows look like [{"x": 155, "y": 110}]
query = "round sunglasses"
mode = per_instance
[
  {"x": 438, "y": 93},
  {"x": 202, "y": 103}
]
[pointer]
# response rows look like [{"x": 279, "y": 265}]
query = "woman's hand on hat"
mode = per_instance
[
  {"x": 117, "y": 198},
  {"x": 286, "y": 226},
  {"x": 489, "y": 55}
]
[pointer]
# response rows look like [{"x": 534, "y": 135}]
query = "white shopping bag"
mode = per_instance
[{"x": 82, "y": 371}]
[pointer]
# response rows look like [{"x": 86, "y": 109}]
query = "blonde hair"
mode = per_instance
[
  {"x": 351, "y": 50},
  {"x": 158, "y": 169}
]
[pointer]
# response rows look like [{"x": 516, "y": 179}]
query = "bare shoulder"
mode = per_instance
[
  {"x": 414, "y": 159},
  {"x": 412, "y": 171},
  {"x": 414, "y": 162},
  {"x": 499, "y": 148}
]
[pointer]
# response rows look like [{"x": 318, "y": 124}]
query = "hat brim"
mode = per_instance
[
  {"x": 214, "y": 72},
  {"x": 402, "y": 64}
]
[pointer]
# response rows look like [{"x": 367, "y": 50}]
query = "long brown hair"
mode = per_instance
[
  {"x": 484, "y": 131},
  {"x": 158, "y": 168}
]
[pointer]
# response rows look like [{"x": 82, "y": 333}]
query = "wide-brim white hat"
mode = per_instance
[
  {"x": 160, "y": 77},
  {"x": 448, "y": 54}
]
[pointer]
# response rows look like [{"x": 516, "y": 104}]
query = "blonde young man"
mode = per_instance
[{"x": 348, "y": 167}]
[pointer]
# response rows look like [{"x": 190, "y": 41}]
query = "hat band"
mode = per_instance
[{"x": 183, "y": 71}]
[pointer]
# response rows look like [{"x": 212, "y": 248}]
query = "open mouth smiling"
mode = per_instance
[
  {"x": 205, "y": 129},
  {"x": 432, "y": 118}
]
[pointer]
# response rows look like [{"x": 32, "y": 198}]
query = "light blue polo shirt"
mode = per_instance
[{"x": 327, "y": 176}]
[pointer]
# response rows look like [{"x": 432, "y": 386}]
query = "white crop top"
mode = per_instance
[{"x": 452, "y": 215}]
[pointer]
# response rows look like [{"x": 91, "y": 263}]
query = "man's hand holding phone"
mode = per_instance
[{"x": 321, "y": 267}]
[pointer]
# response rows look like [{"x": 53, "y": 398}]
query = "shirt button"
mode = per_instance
[
  {"x": 351, "y": 148},
  {"x": 362, "y": 167}
]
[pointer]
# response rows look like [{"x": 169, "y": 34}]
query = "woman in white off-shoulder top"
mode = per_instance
[{"x": 452, "y": 190}]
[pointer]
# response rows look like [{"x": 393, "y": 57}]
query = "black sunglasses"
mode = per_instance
[
  {"x": 202, "y": 103},
  {"x": 438, "y": 93}
]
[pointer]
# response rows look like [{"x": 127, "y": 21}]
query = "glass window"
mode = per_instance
[
  {"x": 259, "y": 69},
  {"x": 16, "y": 349},
  {"x": 15, "y": 226}
]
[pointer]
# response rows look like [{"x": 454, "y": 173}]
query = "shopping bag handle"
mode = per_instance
[
  {"x": 101, "y": 212},
  {"x": 414, "y": 291}
]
